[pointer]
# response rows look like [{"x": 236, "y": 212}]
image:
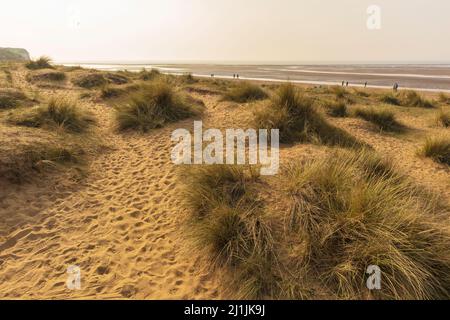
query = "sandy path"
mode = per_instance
[{"x": 122, "y": 228}]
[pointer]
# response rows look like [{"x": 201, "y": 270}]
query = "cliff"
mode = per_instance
[{"x": 14, "y": 54}]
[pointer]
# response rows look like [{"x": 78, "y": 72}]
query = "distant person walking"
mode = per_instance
[
  {"x": 237, "y": 75},
  {"x": 212, "y": 75},
  {"x": 343, "y": 83},
  {"x": 346, "y": 84},
  {"x": 365, "y": 84},
  {"x": 395, "y": 86},
  {"x": 234, "y": 76}
]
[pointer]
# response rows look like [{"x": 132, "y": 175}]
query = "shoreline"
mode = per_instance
[{"x": 356, "y": 75}]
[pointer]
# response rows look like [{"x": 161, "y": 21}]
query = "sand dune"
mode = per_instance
[{"x": 123, "y": 224}]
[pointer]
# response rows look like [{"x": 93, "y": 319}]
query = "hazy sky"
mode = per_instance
[{"x": 227, "y": 30}]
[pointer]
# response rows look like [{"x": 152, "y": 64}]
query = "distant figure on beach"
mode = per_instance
[
  {"x": 346, "y": 84},
  {"x": 234, "y": 75},
  {"x": 395, "y": 86},
  {"x": 365, "y": 84},
  {"x": 237, "y": 75},
  {"x": 343, "y": 83},
  {"x": 212, "y": 75}
]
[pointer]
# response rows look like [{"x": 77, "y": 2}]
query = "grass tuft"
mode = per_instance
[
  {"x": 351, "y": 211},
  {"x": 336, "y": 108},
  {"x": 28, "y": 160},
  {"x": 59, "y": 112},
  {"x": 298, "y": 120},
  {"x": 413, "y": 99},
  {"x": 153, "y": 106},
  {"x": 390, "y": 99},
  {"x": 229, "y": 223},
  {"x": 437, "y": 148},
  {"x": 41, "y": 63},
  {"x": 46, "y": 76},
  {"x": 245, "y": 92},
  {"x": 383, "y": 119},
  {"x": 11, "y": 98},
  {"x": 149, "y": 75},
  {"x": 443, "y": 118}
]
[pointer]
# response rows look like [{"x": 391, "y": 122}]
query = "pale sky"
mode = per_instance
[{"x": 228, "y": 30}]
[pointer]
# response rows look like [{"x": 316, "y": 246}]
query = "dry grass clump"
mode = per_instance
[
  {"x": 114, "y": 91},
  {"x": 90, "y": 80},
  {"x": 443, "y": 118},
  {"x": 339, "y": 92},
  {"x": 229, "y": 223},
  {"x": 437, "y": 148},
  {"x": 298, "y": 120},
  {"x": 149, "y": 75},
  {"x": 383, "y": 119},
  {"x": 98, "y": 79},
  {"x": 245, "y": 92},
  {"x": 443, "y": 98},
  {"x": 59, "y": 112},
  {"x": 351, "y": 211},
  {"x": 389, "y": 99},
  {"x": 26, "y": 161},
  {"x": 153, "y": 106},
  {"x": 11, "y": 98},
  {"x": 413, "y": 99},
  {"x": 336, "y": 108},
  {"x": 41, "y": 63},
  {"x": 46, "y": 76},
  {"x": 188, "y": 78},
  {"x": 341, "y": 214}
]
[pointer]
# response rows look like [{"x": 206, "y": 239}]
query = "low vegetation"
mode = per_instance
[
  {"x": 352, "y": 211},
  {"x": 153, "y": 106},
  {"x": 390, "y": 99},
  {"x": 25, "y": 161},
  {"x": 229, "y": 223},
  {"x": 245, "y": 92},
  {"x": 413, "y": 99},
  {"x": 345, "y": 212},
  {"x": 336, "y": 108},
  {"x": 46, "y": 76},
  {"x": 296, "y": 117},
  {"x": 11, "y": 98},
  {"x": 437, "y": 148},
  {"x": 443, "y": 98},
  {"x": 149, "y": 75},
  {"x": 383, "y": 119},
  {"x": 41, "y": 63},
  {"x": 114, "y": 91},
  {"x": 443, "y": 118},
  {"x": 59, "y": 112},
  {"x": 98, "y": 79}
]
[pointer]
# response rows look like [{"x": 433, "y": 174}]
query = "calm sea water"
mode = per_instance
[{"x": 428, "y": 77}]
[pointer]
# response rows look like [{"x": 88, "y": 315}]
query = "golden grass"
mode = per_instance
[
  {"x": 345, "y": 212},
  {"x": 11, "y": 98},
  {"x": 153, "y": 106},
  {"x": 43, "y": 62},
  {"x": 382, "y": 118},
  {"x": 58, "y": 112},
  {"x": 245, "y": 92},
  {"x": 296, "y": 117},
  {"x": 443, "y": 118},
  {"x": 437, "y": 148}
]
